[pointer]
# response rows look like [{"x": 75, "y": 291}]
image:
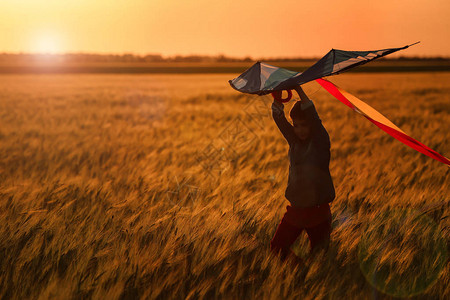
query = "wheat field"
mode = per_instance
[{"x": 172, "y": 186}]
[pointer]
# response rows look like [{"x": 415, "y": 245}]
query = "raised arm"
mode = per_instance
[
  {"x": 318, "y": 132},
  {"x": 283, "y": 125}
]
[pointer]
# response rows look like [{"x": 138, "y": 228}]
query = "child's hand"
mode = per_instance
[{"x": 277, "y": 94}]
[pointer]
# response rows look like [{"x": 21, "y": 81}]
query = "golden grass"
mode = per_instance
[{"x": 105, "y": 193}]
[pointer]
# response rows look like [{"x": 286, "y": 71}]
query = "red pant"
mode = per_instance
[{"x": 315, "y": 220}]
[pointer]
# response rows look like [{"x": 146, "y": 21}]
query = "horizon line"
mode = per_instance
[{"x": 220, "y": 55}]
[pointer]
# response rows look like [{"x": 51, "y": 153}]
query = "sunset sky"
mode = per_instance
[{"x": 257, "y": 28}]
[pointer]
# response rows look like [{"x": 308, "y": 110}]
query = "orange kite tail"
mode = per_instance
[{"x": 379, "y": 120}]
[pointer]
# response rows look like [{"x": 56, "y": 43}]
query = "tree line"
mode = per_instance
[{"x": 128, "y": 57}]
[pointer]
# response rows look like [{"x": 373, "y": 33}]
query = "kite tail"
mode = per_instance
[{"x": 379, "y": 120}]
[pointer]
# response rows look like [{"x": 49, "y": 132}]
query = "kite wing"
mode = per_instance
[{"x": 262, "y": 78}]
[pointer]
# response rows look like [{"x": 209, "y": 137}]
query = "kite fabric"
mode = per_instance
[
  {"x": 262, "y": 78},
  {"x": 379, "y": 120}
]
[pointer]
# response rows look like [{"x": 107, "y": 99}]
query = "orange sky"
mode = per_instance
[{"x": 236, "y": 28}]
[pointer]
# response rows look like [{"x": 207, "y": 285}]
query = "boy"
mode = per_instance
[{"x": 310, "y": 187}]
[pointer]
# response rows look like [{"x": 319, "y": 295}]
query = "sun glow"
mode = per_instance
[{"x": 46, "y": 43}]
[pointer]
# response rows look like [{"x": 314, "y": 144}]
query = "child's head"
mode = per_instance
[{"x": 301, "y": 126}]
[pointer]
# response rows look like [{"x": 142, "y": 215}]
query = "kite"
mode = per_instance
[{"x": 262, "y": 79}]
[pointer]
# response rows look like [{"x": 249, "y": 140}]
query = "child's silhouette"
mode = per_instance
[{"x": 310, "y": 187}]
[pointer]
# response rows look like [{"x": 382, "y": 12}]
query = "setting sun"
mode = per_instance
[{"x": 46, "y": 42}]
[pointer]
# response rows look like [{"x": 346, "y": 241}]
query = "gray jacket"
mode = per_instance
[{"x": 309, "y": 182}]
